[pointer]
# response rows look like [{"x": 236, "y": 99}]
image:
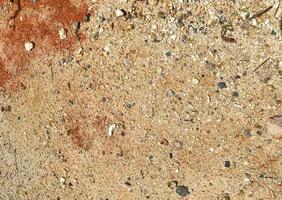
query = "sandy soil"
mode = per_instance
[{"x": 143, "y": 99}]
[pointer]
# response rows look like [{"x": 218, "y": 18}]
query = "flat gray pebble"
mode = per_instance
[{"x": 182, "y": 190}]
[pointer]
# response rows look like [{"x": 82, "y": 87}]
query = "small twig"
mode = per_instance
[
  {"x": 261, "y": 64},
  {"x": 260, "y": 13},
  {"x": 52, "y": 72},
  {"x": 228, "y": 39}
]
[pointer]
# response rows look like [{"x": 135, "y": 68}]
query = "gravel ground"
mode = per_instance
[{"x": 141, "y": 99}]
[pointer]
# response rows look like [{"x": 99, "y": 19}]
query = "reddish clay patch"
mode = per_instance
[
  {"x": 4, "y": 76},
  {"x": 38, "y": 22},
  {"x": 77, "y": 136},
  {"x": 83, "y": 139}
]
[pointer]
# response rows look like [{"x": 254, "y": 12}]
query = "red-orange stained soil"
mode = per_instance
[
  {"x": 38, "y": 22},
  {"x": 4, "y": 76},
  {"x": 77, "y": 136},
  {"x": 81, "y": 138}
]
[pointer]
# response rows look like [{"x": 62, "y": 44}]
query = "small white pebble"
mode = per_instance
[
  {"x": 120, "y": 13},
  {"x": 107, "y": 49},
  {"x": 29, "y": 46},
  {"x": 254, "y": 22},
  {"x": 63, "y": 33},
  {"x": 62, "y": 181},
  {"x": 245, "y": 15},
  {"x": 79, "y": 50},
  {"x": 246, "y": 180},
  {"x": 101, "y": 30},
  {"x": 195, "y": 81},
  {"x": 111, "y": 129},
  {"x": 177, "y": 144}
]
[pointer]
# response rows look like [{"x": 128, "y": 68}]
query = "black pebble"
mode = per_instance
[
  {"x": 221, "y": 85},
  {"x": 127, "y": 183},
  {"x": 227, "y": 164},
  {"x": 182, "y": 190}
]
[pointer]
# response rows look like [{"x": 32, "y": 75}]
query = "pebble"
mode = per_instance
[
  {"x": 195, "y": 81},
  {"x": 107, "y": 49},
  {"x": 221, "y": 85},
  {"x": 168, "y": 53},
  {"x": 254, "y": 22},
  {"x": 111, "y": 129},
  {"x": 63, "y": 33},
  {"x": 244, "y": 15},
  {"x": 227, "y": 163},
  {"x": 247, "y": 133},
  {"x": 274, "y": 126},
  {"x": 178, "y": 144},
  {"x": 182, "y": 190},
  {"x": 76, "y": 26},
  {"x": 246, "y": 180},
  {"x": 29, "y": 46},
  {"x": 120, "y": 12},
  {"x": 62, "y": 181},
  {"x": 151, "y": 157},
  {"x": 170, "y": 93}
]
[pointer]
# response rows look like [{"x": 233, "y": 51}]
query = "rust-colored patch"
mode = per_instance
[
  {"x": 4, "y": 75},
  {"x": 77, "y": 137},
  {"x": 83, "y": 139},
  {"x": 37, "y": 22}
]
